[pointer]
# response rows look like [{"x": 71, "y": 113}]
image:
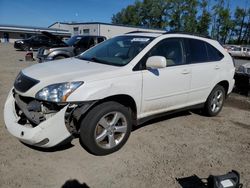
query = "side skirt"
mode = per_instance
[{"x": 193, "y": 107}]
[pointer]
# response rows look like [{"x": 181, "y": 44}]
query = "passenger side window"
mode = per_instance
[
  {"x": 171, "y": 49},
  {"x": 197, "y": 52}
]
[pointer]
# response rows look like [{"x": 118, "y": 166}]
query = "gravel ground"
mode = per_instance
[{"x": 176, "y": 146}]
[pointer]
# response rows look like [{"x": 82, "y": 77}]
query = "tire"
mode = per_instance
[
  {"x": 101, "y": 137},
  {"x": 215, "y": 101},
  {"x": 59, "y": 57}
]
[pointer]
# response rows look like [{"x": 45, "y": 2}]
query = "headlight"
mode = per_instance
[{"x": 57, "y": 92}]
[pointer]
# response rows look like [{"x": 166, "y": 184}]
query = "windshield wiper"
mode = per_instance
[{"x": 94, "y": 59}]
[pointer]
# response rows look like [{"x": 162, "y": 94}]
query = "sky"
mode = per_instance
[{"x": 43, "y": 13}]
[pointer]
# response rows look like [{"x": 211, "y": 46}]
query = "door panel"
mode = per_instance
[
  {"x": 205, "y": 64},
  {"x": 166, "y": 88},
  {"x": 204, "y": 76}
]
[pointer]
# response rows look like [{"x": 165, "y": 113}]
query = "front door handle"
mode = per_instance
[
  {"x": 185, "y": 71},
  {"x": 217, "y": 67}
]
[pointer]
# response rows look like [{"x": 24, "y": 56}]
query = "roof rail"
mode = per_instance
[
  {"x": 188, "y": 33},
  {"x": 145, "y": 32}
]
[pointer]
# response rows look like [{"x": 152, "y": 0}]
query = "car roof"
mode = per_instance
[
  {"x": 87, "y": 36},
  {"x": 144, "y": 34},
  {"x": 177, "y": 34}
]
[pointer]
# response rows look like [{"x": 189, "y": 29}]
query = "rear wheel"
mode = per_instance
[
  {"x": 215, "y": 101},
  {"x": 106, "y": 128}
]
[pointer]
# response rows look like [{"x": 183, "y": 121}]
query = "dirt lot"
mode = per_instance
[{"x": 157, "y": 153}]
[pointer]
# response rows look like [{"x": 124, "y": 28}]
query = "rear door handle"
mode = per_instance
[{"x": 185, "y": 71}]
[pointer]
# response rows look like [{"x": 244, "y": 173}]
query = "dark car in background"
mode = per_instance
[
  {"x": 36, "y": 41},
  {"x": 72, "y": 47}
]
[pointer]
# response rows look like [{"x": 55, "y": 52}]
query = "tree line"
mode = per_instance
[{"x": 206, "y": 17}]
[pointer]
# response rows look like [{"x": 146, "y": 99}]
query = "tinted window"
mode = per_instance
[
  {"x": 197, "y": 52},
  {"x": 91, "y": 42},
  {"x": 213, "y": 53},
  {"x": 84, "y": 42},
  {"x": 100, "y": 39},
  {"x": 73, "y": 40}
]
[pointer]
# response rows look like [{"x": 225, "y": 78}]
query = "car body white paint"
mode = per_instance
[{"x": 154, "y": 91}]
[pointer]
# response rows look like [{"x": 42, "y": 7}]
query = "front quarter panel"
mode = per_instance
[{"x": 124, "y": 85}]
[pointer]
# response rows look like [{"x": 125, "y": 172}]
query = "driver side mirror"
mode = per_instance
[{"x": 156, "y": 62}]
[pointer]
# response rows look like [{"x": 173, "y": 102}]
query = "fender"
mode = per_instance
[
  {"x": 97, "y": 90},
  {"x": 61, "y": 52}
]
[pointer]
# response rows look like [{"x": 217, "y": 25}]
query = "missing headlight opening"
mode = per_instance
[{"x": 32, "y": 112}]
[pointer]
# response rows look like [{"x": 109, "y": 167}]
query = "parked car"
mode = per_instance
[
  {"x": 120, "y": 83},
  {"x": 35, "y": 42},
  {"x": 242, "y": 79},
  {"x": 238, "y": 51},
  {"x": 74, "y": 46}
]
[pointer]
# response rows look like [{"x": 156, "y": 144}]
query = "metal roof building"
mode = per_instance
[
  {"x": 11, "y": 33},
  {"x": 99, "y": 28}
]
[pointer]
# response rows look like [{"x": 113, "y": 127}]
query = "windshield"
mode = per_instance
[
  {"x": 73, "y": 40},
  {"x": 117, "y": 51}
]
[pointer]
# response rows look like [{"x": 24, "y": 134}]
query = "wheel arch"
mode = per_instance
[
  {"x": 57, "y": 53},
  {"x": 123, "y": 99},
  {"x": 225, "y": 85}
]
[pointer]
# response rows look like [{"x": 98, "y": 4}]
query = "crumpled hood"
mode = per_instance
[{"x": 70, "y": 69}]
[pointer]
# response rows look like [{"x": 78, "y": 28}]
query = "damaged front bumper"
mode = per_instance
[{"x": 48, "y": 132}]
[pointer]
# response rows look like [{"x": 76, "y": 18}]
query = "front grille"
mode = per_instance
[{"x": 24, "y": 83}]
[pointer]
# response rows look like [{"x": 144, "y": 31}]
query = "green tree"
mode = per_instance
[
  {"x": 131, "y": 15},
  {"x": 226, "y": 24},
  {"x": 246, "y": 35},
  {"x": 189, "y": 16},
  {"x": 176, "y": 13},
  {"x": 240, "y": 15},
  {"x": 153, "y": 13},
  {"x": 204, "y": 19}
]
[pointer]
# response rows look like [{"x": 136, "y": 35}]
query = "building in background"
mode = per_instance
[
  {"x": 11, "y": 33},
  {"x": 98, "y": 28}
]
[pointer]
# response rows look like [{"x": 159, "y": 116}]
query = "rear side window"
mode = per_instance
[
  {"x": 200, "y": 52},
  {"x": 213, "y": 53},
  {"x": 197, "y": 52}
]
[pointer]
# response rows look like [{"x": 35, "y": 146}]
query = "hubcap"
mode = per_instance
[
  {"x": 217, "y": 101},
  {"x": 110, "y": 130}
]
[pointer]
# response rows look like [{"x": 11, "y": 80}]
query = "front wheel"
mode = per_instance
[
  {"x": 215, "y": 101},
  {"x": 106, "y": 128}
]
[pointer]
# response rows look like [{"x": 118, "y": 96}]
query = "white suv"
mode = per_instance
[{"x": 120, "y": 83}]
